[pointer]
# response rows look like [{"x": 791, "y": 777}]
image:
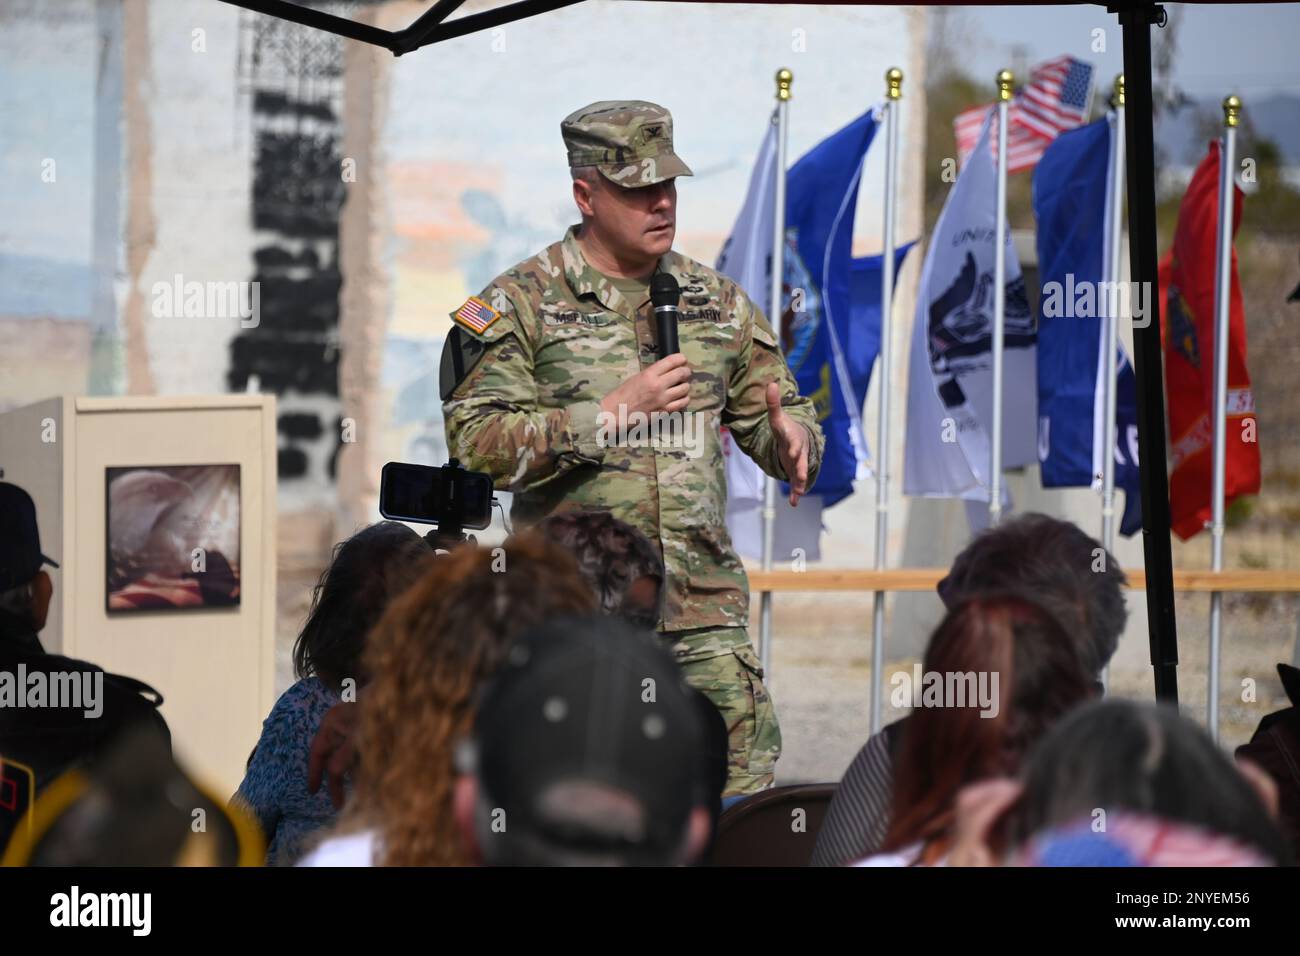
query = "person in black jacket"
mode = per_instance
[
  {"x": 1275, "y": 749},
  {"x": 55, "y": 712}
]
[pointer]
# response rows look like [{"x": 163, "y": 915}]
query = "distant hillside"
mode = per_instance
[{"x": 1274, "y": 117}]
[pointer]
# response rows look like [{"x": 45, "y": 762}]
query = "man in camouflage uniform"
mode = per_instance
[{"x": 548, "y": 374}]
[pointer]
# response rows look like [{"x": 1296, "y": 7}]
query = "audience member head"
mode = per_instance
[
  {"x": 25, "y": 589},
  {"x": 1067, "y": 572},
  {"x": 134, "y": 806},
  {"x": 626, "y": 574},
  {"x": 1275, "y": 749},
  {"x": 365, "y": 574},
  {"x": 1127, "y": 758},
  {"x": 426, "y": 659},
  {"x": 622, "y": 565},
  {"x": 586, "y": 746},
  {"x": 1008, "y": 671}
]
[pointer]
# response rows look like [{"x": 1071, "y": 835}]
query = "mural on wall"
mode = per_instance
[
  {"x": 479, "y": 239},
  {"x": 295, "y": 77},
  {"x": 51, "y": 151}
]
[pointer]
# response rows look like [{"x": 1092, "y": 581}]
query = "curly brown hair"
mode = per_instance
[{"x": 428, "y": 656}]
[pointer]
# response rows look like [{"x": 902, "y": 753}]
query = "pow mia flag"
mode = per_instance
[{"x": 950, "y": 387}]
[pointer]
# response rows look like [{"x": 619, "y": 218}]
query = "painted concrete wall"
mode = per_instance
[
  {"x": 153, "y": 145},
  {"x": 48, "y": 165}
]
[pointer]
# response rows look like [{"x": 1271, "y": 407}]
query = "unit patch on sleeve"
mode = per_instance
[{"x": 460, "y": 353}]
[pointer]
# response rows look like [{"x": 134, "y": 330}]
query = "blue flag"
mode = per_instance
[
  {"x": 861, "y": 338},
  {"x": 817, "y": 327},
  {"x": 1070, "y": 204}
]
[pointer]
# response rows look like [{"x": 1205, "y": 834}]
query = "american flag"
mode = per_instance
[
  {"x": 1058, "y": 97},
  {"x": 475, "y": 314}
]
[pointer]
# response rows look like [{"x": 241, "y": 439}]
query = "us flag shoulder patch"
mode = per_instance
[{"x": 476, "y": 315}]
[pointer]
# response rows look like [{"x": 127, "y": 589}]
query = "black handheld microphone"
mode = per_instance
[{"x": 665, "y": 293}]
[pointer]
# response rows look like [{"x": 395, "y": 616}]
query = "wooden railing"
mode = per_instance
[{"x": 925, "y": 579}]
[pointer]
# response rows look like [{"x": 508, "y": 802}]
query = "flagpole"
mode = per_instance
[
  {"x": 1222, "y": 296},
  {"x": 1115, "y": 203},
  {"x": 1005, "y": 79},
  {"x": 893, "y": 94},
  {"x": 784, "y": 78}
]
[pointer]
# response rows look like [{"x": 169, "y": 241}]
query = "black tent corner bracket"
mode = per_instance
[{"x": 429, "y": 27}]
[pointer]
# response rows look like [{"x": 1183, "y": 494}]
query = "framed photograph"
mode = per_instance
[{"x": 173, "y": 537}]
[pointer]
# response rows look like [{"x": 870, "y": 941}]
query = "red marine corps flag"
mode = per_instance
[{"x": 1187, "y": 290}]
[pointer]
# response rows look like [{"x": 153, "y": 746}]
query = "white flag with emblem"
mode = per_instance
[{"x": 950, "y": 380}]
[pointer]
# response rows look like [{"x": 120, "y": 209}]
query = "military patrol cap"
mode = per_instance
[{"x": 629, "y": 141}]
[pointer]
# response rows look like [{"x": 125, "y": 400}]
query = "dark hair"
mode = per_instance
[
  {"x": 366, "y": 572},
  {"x": 1066, "y": 570},
  {"x": 943, "y": 749},
  {"x": 1144, "y": 758},
  {"x": 611, "y": 554}
]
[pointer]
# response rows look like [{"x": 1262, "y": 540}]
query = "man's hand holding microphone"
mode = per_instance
[{"x": 665, "y": 387}]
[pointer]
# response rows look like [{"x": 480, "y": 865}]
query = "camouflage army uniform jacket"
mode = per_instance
[{"x": 527, "y": 412}]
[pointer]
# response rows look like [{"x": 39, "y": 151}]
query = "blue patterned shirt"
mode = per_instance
[{"x": 275, "y": 784}]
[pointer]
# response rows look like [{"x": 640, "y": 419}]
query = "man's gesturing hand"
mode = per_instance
[
  {"x": 791, "y": 444},
  {"x": 662, "y": 387}
]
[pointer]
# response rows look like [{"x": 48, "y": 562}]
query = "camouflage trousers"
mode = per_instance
[{"x": 720, "y": 663}]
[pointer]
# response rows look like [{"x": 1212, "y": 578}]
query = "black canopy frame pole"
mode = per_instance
[
  {"x": 320, "y": 20},
  {"x": 1135, "y": 20},
  {"x": 428, "y": 27},
  {"x": 425, "y": 25}
]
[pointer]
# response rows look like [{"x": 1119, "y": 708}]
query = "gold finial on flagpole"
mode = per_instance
[
  {"x": 1231, "y": 110},
  {"x": 783, "y": 80},
  {"x": 1005, "y": 81},
  {"x": 894, "y": 83},
  {"x": 1117, "y": 97}
]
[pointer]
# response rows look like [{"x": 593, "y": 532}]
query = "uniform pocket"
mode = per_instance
[
  {"x": 765, "y": 744},
  {"x": 734, "y": 683}
]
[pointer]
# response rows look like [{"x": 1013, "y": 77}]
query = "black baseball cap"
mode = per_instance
[
  {"x": 20, "y": 542},
  {"x": 583, "y": 702}
]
